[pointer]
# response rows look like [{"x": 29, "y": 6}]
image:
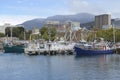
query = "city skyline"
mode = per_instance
[{"x": 18, "y": 11}]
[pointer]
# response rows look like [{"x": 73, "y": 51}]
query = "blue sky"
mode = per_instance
[{"x": 18, "y": 11}]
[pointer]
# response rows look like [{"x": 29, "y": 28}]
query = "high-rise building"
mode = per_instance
[{"x": 102, "y": 21}]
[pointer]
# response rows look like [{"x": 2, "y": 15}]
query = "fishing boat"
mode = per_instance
[
  {"x": 13, "y": 45},
  {"x": 79, "y": 51},
  {"x": 89, "y": 50},
  {"x": 117, "y": 48},
  {"x": 13, "y": 48}
]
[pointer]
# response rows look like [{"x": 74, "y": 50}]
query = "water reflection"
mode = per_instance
[
  {"x": 23, "y": 67},
  {"x": 100, "y": 67}
]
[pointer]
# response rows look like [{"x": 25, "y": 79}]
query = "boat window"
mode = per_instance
[{"x": 42, "y": 46}]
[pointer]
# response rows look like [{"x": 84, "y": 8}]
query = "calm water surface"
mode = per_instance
[{"x": 23, "y": 67}]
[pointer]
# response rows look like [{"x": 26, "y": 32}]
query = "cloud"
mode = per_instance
[
  {"x": 14, "y": 19},
  {"x": 115, "y": 15},
  {"x": 19, "y": 1},
  {"x": 77, "y": 6}
]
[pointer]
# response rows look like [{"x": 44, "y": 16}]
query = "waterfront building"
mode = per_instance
[
  {"x": 61, "y": 28},
  {"x": 73, "y": 31},
  {"x": 68, "y": 30},
  {"x": 106, "y": 27},
  {"x": 35, "y": 31},
  {"x": 74, "y": 26},
  {"x": 52, "y": 24},
  {"x": 3, "y": 27},
  {"x": 102, "y": 21}
]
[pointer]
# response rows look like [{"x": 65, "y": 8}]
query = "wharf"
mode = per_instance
[
  {"x": 52, "y": 48},
  {"x": 48, "y": 52}
]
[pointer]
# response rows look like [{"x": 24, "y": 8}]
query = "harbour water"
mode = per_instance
[{"x": 59, "y": 67}]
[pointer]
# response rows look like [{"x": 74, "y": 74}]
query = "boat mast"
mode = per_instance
[
  {"x": 70, "y": 32},
  {"x": 49, "y": 33},
  {"x": 114, "y": 36},
  {"x": 11, "y": 32},
  {"x": 24, "y": 33}
]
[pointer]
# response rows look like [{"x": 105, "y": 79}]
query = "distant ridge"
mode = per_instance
[
  {"x": 34, "y": 23},
  {"x": 116, "y": 23},
  {"x": 39, "y": 22},
  {"x": 81, "y": 17},
  {"x": 85, "y": 19}
]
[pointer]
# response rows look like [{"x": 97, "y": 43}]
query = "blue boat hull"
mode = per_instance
[{"x": 85, "y": 52}]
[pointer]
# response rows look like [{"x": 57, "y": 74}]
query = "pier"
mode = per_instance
[
  {"x": 49, "y": 52},
  {"x": 49, "y": 49}
]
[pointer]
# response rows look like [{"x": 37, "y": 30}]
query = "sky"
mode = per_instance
[{"x": 18, "y": 11}]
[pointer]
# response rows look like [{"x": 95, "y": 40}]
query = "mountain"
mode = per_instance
[
  {"x": 116, "y": 23},
  {"x": 88, "y": 25},
  {"x": 39, "y": 22},
  {"x": 85, "y": 19},
  {"x": 34, "y": 23},
  {"x": 81, "y": 17}
]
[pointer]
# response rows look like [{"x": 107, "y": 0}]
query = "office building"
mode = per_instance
[{"x": 102, "y": 21}]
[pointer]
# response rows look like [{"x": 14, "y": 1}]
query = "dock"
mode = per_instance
[
  {"x": 48, "y": 52},
  {"x": 49, "y": 49}
]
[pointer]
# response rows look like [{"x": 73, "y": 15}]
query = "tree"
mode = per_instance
[
  {"x": 28, "y": 32},
  {"x": 48, "y": 33},
  {"x": 16, "y": 32},
  {"x": 7, "y": 32},
  {"x": 106, "y": 34},
  {"x": 2, "y": 35}
]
